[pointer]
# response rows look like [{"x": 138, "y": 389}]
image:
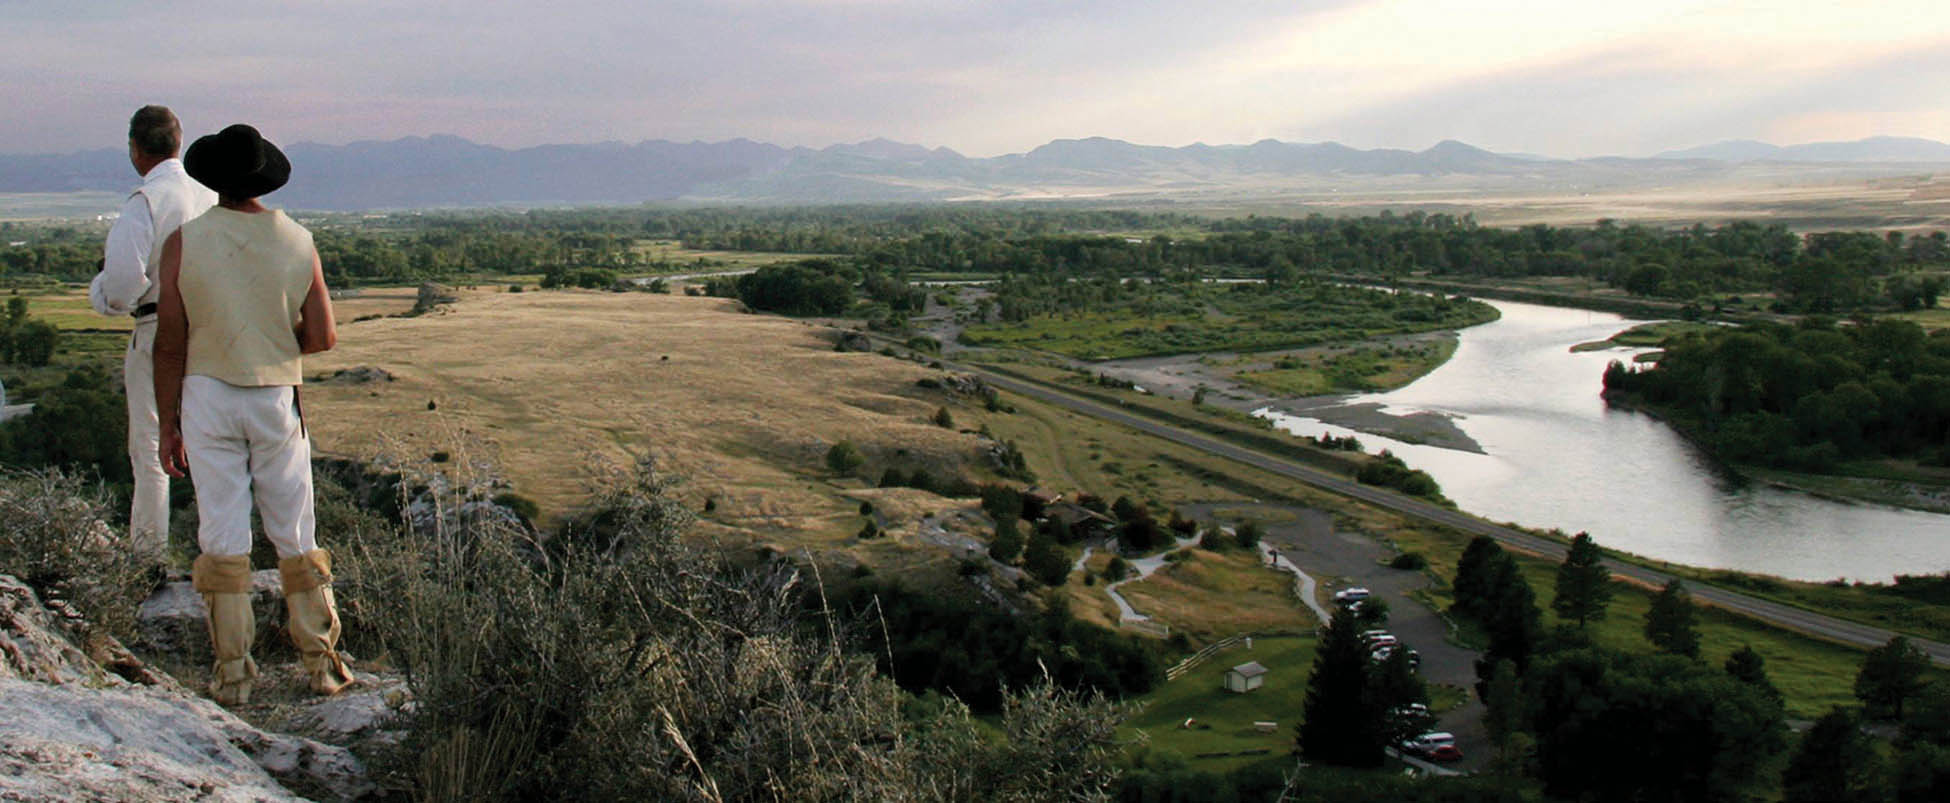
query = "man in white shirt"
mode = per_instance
[{"x": 127, "y": 285}]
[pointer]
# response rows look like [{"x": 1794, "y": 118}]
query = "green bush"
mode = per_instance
[
  {"x": 614, "y": 660},
  {"x": 1410, "y": 561},
  {"x": 54, "y": 539}
]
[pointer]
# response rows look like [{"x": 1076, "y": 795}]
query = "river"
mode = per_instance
[{"x": 1555, "y": 455}]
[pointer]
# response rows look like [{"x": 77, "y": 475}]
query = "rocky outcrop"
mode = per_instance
[
  {"x": 72, "y": 728},
  {"x": 173, "y": 619}
]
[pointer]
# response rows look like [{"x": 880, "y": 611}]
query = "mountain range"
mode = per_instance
[{"x": 448, "y": 171}]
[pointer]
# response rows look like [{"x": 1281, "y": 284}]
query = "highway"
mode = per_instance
[{"x": 1786, "y": 616}]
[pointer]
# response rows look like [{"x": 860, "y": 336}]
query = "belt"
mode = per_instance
[{"x": 144, "y": 311}]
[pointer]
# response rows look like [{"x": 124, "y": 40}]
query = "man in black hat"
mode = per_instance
[
  {"x": 243, "y": 298},
  {"x": 127, "y": 285}
]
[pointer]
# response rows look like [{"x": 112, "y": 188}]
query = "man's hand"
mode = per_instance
[{"x": 175, "y": 459}]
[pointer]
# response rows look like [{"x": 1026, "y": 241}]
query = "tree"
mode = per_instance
[
  {"x": 1891, "y": 675},
  {"x": 1583, "y": 583},
  {"x": 1473, "y": 575},
  {"x": 1748, "y": 667},
  {"x": 844, "y": 458},
  {"x": 1503, "y": 713},
  {"x": 1835, "y": 763},
  {"x": 1923, "y": 774},
  {"x": 1008, "y": 541},
  {"x": 1372, "y": 613},
  {"x": 1045, "y": 561},
  {"x": 1671, "y": 625},
  {"x": 1342, "y": 724},
  {"x": 1511, "y": 619},
  {"x": 1249, "y": 534},
  {"x": 943, "y": 418},
  {"x": 1395, "y": 686},
  {"x": 32, "y": 343},
  {"x": 1117, "y": 569},
  {"x": 1705, "y": 733}
]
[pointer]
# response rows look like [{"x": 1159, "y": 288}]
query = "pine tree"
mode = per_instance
[
  {"x": 1342, "y": 724},
  {"x": 1672, "y": 623},
  {"x": 1891, "y": 675},
  {"x": 1511, "y": 619},
  {"x": 1473, "y": 575},
  {"x": 1836, "y": 763},
  {"x": 1583, "y": 583}
]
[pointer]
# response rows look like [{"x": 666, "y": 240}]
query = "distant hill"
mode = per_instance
[
  {"x": 1873, "y": 149},
  {"x": 437, "y": 171}
]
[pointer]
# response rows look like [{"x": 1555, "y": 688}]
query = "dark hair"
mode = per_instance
[{"x": 154, "y": 131}]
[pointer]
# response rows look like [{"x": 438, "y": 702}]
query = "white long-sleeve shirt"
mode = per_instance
[{"x": 128, "y": 275}]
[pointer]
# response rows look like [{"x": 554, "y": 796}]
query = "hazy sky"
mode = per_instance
[{"x": 1557, "y": 77}]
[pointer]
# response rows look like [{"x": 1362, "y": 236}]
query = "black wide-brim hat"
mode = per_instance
[{"x": 237, "y": 162}]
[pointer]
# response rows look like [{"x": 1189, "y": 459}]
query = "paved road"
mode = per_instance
[{"x": 1797, "y": 619}]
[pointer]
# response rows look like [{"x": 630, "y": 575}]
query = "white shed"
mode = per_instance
[{"x": 1245, "y": 677}]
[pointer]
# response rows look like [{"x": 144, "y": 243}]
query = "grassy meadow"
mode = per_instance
[{"x": 1223, "y": 720}]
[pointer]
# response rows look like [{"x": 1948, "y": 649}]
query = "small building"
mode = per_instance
[
  {"x": 1081, "y": 521},
  {"x": 1245, "y": 677}
]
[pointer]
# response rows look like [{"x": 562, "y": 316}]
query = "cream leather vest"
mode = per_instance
[
  {"x": 244, "y": 278},
  {"x": 174, "y": 198}
]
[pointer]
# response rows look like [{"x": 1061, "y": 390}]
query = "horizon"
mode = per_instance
[
  {"x": 1566, "y": 80},
  {"x": 189, "y": 137}
]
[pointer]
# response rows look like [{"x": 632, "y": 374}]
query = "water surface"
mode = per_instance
[{"x": 1557, "y": 456}]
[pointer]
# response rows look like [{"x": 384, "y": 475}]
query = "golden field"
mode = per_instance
[{"x": 558, "y": 389}]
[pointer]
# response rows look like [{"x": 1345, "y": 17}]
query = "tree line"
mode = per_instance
[{"x": 1805, "y": 396}]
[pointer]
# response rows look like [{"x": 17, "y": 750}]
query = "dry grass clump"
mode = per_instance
[
  {"x": 615, "y": 660},
  {"x": 54, "y": 537}
]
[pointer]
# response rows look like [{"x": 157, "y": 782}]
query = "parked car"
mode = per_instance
[
  {"x": 1369, "y": 634},
  {"x": 1434, "y": 746},
  {"x": 1349, "y": 596},
  {"x": 1380, "y": 654},
  {"x": 1383, "y": 640}
]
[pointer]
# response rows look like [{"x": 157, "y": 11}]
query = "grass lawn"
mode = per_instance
[
  {"x": 1209, "y": 596},
  {"x": 1201, "y": 695}
]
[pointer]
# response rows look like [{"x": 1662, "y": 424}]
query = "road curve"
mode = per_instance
[{"x": 1797, "y": 619}]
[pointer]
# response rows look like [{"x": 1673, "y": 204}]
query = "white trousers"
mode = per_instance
[
  {"x": 149, "y": 511},
  {"x": 245, "y": 445}
]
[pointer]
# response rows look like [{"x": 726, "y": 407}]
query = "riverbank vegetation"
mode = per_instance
[
  {"x": 1816, "y": 396},
  {"x": 1356, "y": 369},
  {"x": 1108, "y": 319}
]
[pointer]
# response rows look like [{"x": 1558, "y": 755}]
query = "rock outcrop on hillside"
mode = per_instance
[{"x": 97, "y": 724}]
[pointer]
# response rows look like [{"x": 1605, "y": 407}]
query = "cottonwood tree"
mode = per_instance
[
  {"x": 1008, "y": 541},
  {"x": 1672, "y": 624},
  {"x": 1748, "y": 667},
  {"x": 1691, "y": 732},
  {"x": 1891, "y": 675},
  {"x": 1583, "y": 583},
  {"x": 1836, "y": 763},
  {"x": 1044, "y": 560}
]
